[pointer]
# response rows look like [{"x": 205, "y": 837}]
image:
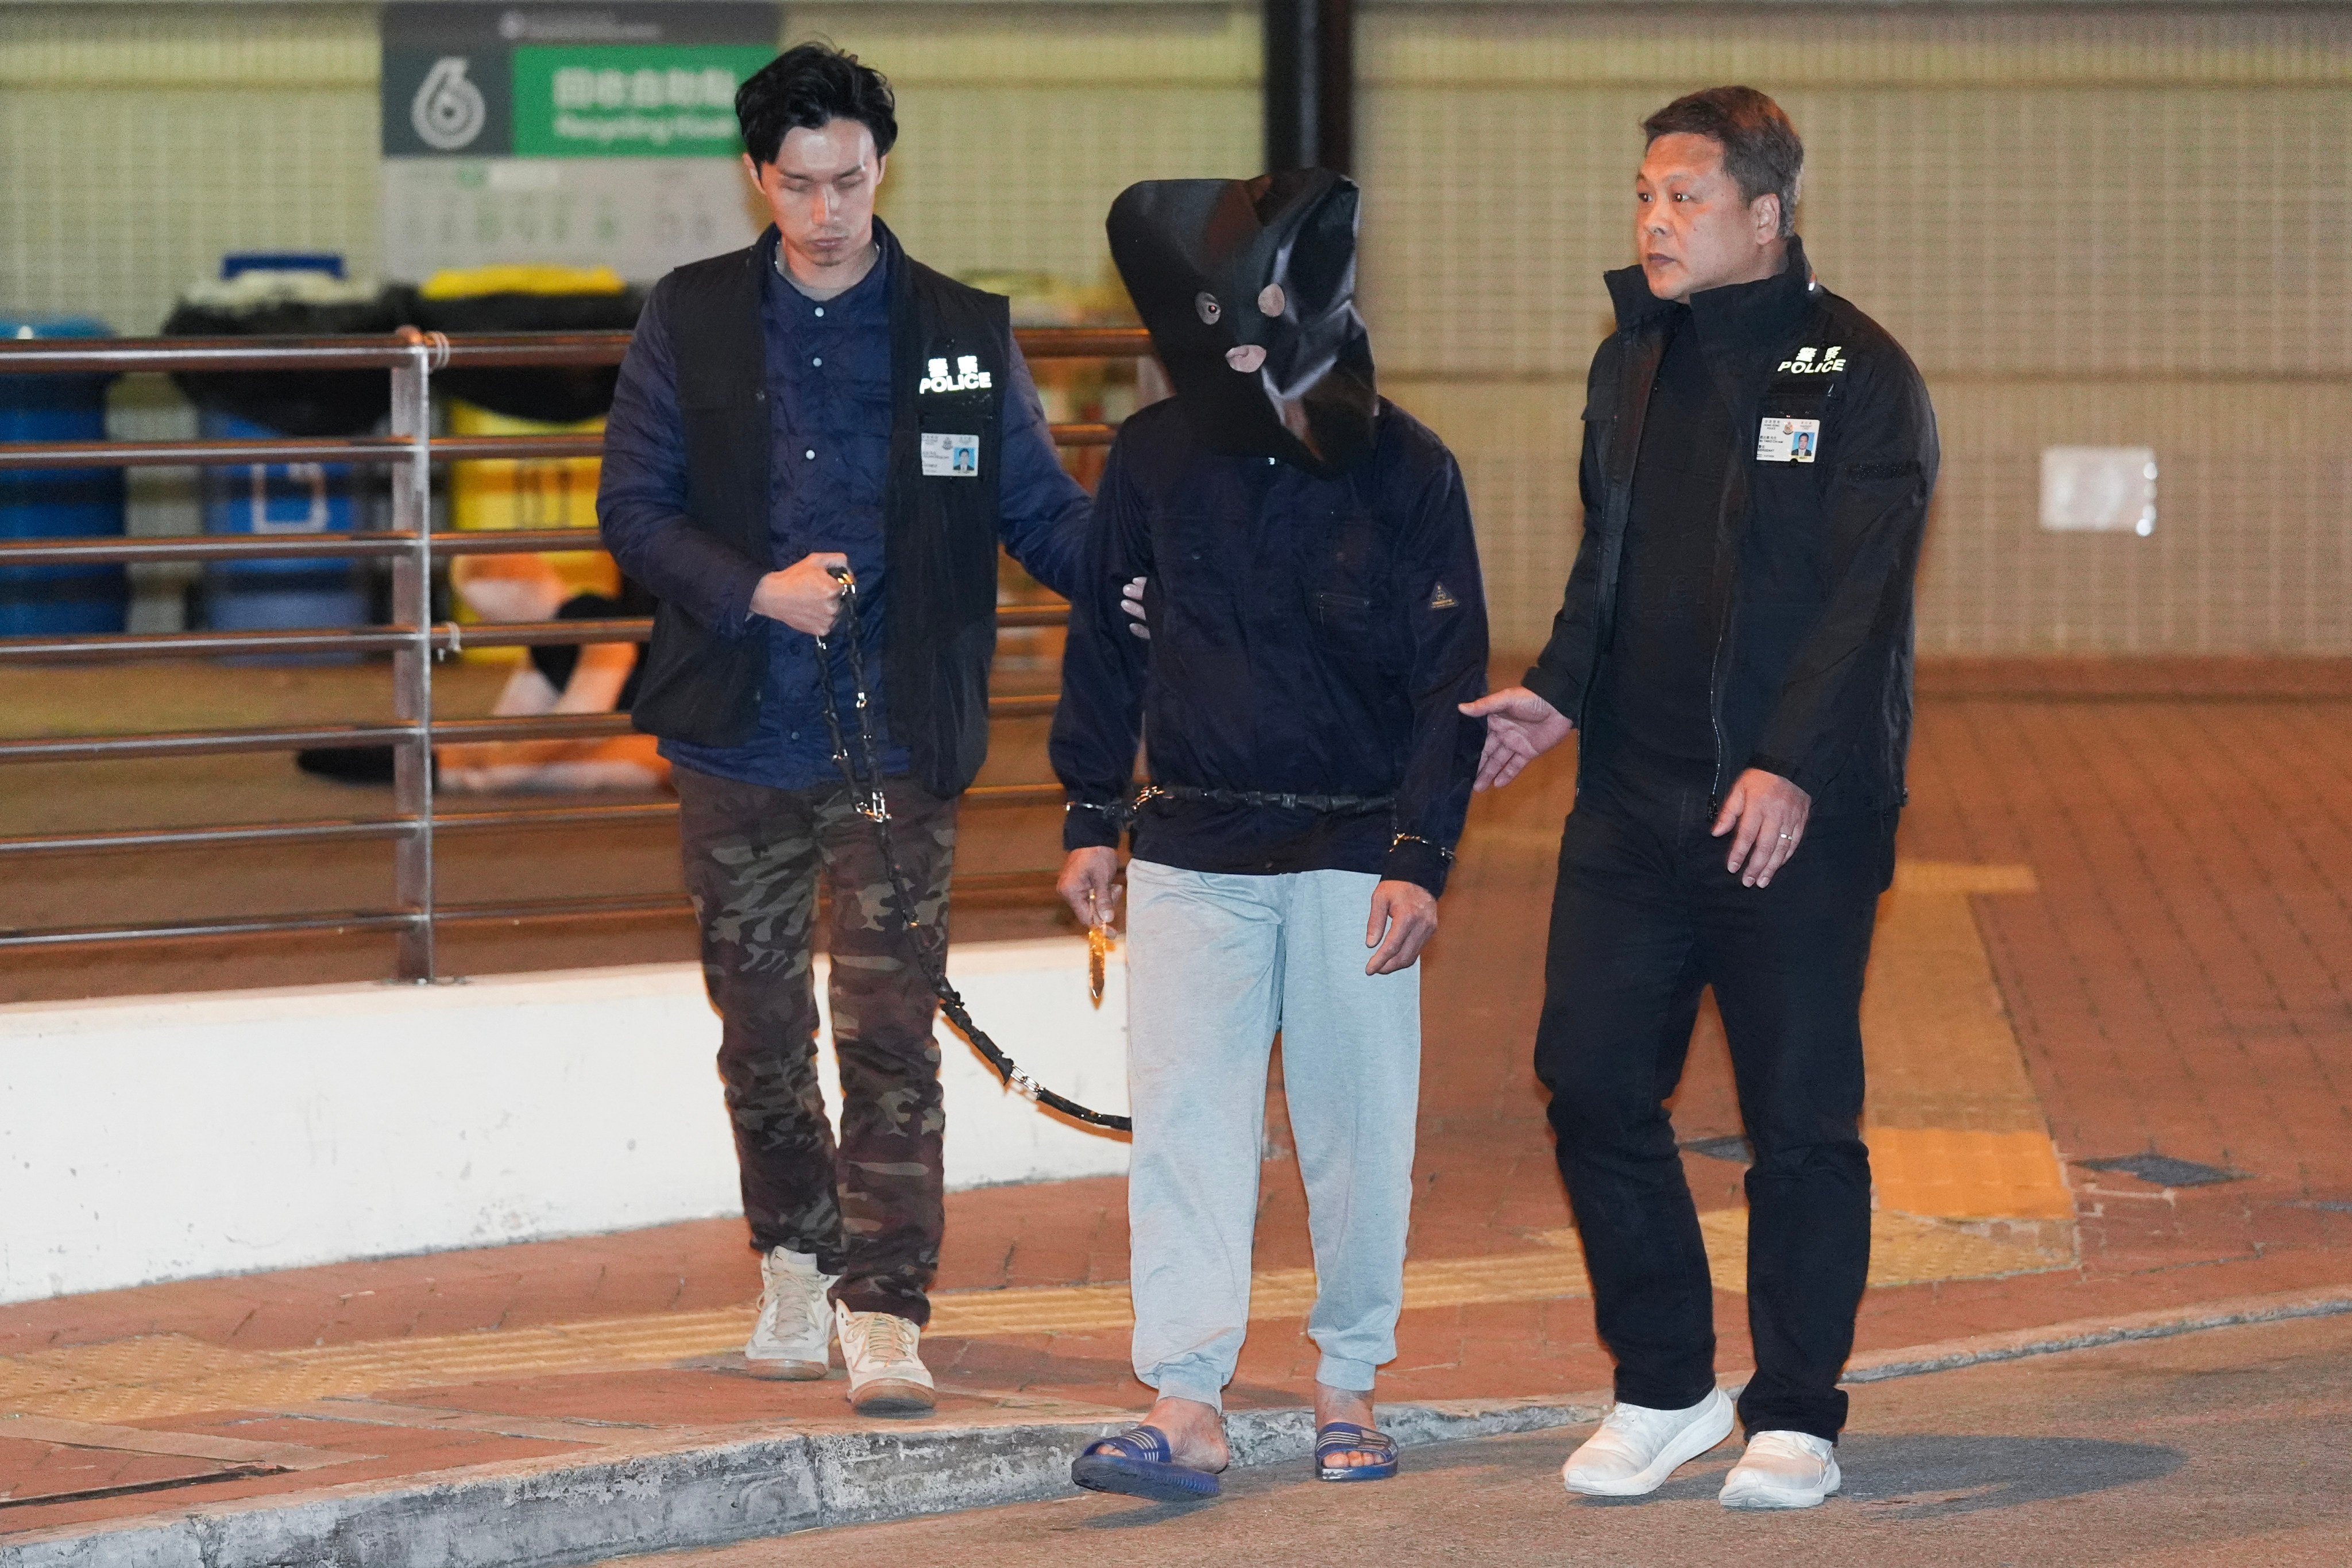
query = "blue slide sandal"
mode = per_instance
[
  {"x": 1139, "y": 1463},
  {"x": 1339, "y": 1437}
]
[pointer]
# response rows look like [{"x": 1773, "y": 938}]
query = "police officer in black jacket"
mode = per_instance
[
  {"x": 1734, "y": 651},
  {"x": 818, "y": 404}
]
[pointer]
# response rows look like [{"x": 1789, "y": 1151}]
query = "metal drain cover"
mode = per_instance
[{"x": 2164, "y": 1171}]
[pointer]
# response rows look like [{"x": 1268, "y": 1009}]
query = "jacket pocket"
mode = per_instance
[
  {"x": 1348, "y": 592},
  {"x": 697, "y": 686},
  {"x": 1189, "y": 593},
  {"x": 1342, "y": 613},
  {"x": 1596, "y": 424}
]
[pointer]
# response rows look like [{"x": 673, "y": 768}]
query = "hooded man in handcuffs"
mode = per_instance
[{"x": 1315, "y": 617}]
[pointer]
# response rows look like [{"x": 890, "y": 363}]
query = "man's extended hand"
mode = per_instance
[
  {"x": 1520, "y": 727},
  {"x": 1405, "y": 913},
  {"x": 804, "y": 595},
  {"x": 1131, "y": 599},
  {"x": 1086, "y": 885},
  {"x": 1771, "y": 813}
]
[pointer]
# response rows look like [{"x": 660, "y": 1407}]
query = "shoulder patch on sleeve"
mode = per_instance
[{"x": 1442, "y": 600}]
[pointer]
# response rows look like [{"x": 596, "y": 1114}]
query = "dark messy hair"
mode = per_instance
[
  {"x": 805, "y": 88},
  {"x": 1761, "y": 149}
]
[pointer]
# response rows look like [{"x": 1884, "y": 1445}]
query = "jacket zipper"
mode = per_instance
[
  {"x": 1621, "y": 509},
  {"x": 1714, "y": 665},
  {"x": 1730, "y": 567},
  {"x": 1723, "y": 632}
]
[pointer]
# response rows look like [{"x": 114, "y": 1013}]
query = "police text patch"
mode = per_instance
[
  {"x": 1814, "y": 361},
  {"x": 967, "y": 376}
]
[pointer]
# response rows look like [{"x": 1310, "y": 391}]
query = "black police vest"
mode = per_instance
[{"x": 940, "y": 527}]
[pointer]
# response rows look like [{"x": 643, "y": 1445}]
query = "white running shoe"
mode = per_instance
[
  {"x": 1782, "y": 1469},
  {"x": 1638, "y": 1447},
  {"x": 793, "y": 1336},
  {"x": 887, "y": 1377}
]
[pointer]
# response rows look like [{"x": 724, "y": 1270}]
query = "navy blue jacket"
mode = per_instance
[
  {"x": 1308, "y": 636},
  {"x": 829, "y": 402}
]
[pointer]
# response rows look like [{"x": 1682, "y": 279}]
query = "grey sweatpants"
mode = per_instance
[{"x": 1215, "y": 966}]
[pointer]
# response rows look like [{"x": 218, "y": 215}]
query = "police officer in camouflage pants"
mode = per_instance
[{"x": 818, "y": 403}]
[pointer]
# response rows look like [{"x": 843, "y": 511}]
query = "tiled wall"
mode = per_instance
[
  {"x": 1019, "y": 123},
  {"x": 2093, "y": 226},
  {"x": 2090, "y": 225},
  {"x": 137, "y": 143}
]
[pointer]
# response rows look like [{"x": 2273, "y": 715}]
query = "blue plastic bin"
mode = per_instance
[
  {"x": 238, "y": 262},
  {"x": 60, "y": 503},
  {"x": 280, "y": 498},
  {"x": 303, "y": 592}
]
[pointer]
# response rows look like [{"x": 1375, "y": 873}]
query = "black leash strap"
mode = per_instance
[{"x": 929, "y": 957}]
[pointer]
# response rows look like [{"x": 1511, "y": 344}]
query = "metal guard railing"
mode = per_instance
[{"x": 413, "y": 639}]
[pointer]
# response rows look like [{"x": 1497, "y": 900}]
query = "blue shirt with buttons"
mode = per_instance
[{"x": 829, "y": 410}]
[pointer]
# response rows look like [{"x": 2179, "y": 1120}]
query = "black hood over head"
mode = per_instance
[{"x": 1249, "y": 289}]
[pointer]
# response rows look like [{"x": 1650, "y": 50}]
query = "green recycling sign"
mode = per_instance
[
  {"x": 665, "y": 100},
  {"x": 589, "y": 136}
]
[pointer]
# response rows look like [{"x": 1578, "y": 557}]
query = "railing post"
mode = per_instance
[
  {"x": 412, "y": 665},
  {"x": 411, "y": 358}
]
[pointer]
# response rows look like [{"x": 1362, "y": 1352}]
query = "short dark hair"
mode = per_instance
[
  {"x": 805, "y": 88},
  {"x": 1761, "y": 149}
]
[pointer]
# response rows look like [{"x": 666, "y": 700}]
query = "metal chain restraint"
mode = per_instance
[{"x": 929, "y": 958}]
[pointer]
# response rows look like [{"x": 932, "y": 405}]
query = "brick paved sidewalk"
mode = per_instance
[{"x": 2120, "y": 929}]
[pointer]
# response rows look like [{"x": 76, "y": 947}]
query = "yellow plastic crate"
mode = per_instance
[{"x": 528, "y": 492}]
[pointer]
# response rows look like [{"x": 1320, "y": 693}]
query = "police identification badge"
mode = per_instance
[
  {"x": 954, "y": 456},
  {"x": 1779, "y": 440}
]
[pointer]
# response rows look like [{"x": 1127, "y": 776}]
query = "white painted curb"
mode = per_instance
[{"x": 167, "y": 1138}]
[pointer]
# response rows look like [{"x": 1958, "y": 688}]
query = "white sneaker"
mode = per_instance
[
  {"x": 887, "y": 1377},
  {"x": 1638, "y": 1447},
  {"x": 1782, "y": 1469},
  {"x": 793, "y": 1336}
]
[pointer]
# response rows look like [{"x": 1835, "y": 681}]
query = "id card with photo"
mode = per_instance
[
  {"x": 1779, "y": 440},
  {"x": 951, "y": 456}
]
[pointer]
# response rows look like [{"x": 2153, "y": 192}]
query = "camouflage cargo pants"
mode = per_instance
[{"x": 871, "y": 1210}]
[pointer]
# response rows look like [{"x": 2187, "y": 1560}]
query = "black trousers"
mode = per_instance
[{"x": 1644, "y": 920}]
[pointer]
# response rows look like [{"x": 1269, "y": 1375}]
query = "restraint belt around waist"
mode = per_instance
[{"x": 1334, "y": 804}]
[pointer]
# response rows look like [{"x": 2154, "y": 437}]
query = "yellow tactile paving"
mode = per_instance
[
  {"x": 1936, "y": 1033},
  {"x": 130, "y": 1394},
  {"x": 1968, "y": 1186},
  {"x": 1955, "y": 1128},
  {"x": 167, "y": 1358},
  {"x": 1904, "y": 1249},
  {"x": 1956, "y": 1173},
  {"x": 169, "y": 1374}
]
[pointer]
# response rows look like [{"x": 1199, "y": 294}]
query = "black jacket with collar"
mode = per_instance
[
  {"x": 703, "y": 683},
  {"x": 1814, "y": 559}
]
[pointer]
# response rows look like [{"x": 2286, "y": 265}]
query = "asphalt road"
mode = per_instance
[{"x": 2227, "y": 1447}]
